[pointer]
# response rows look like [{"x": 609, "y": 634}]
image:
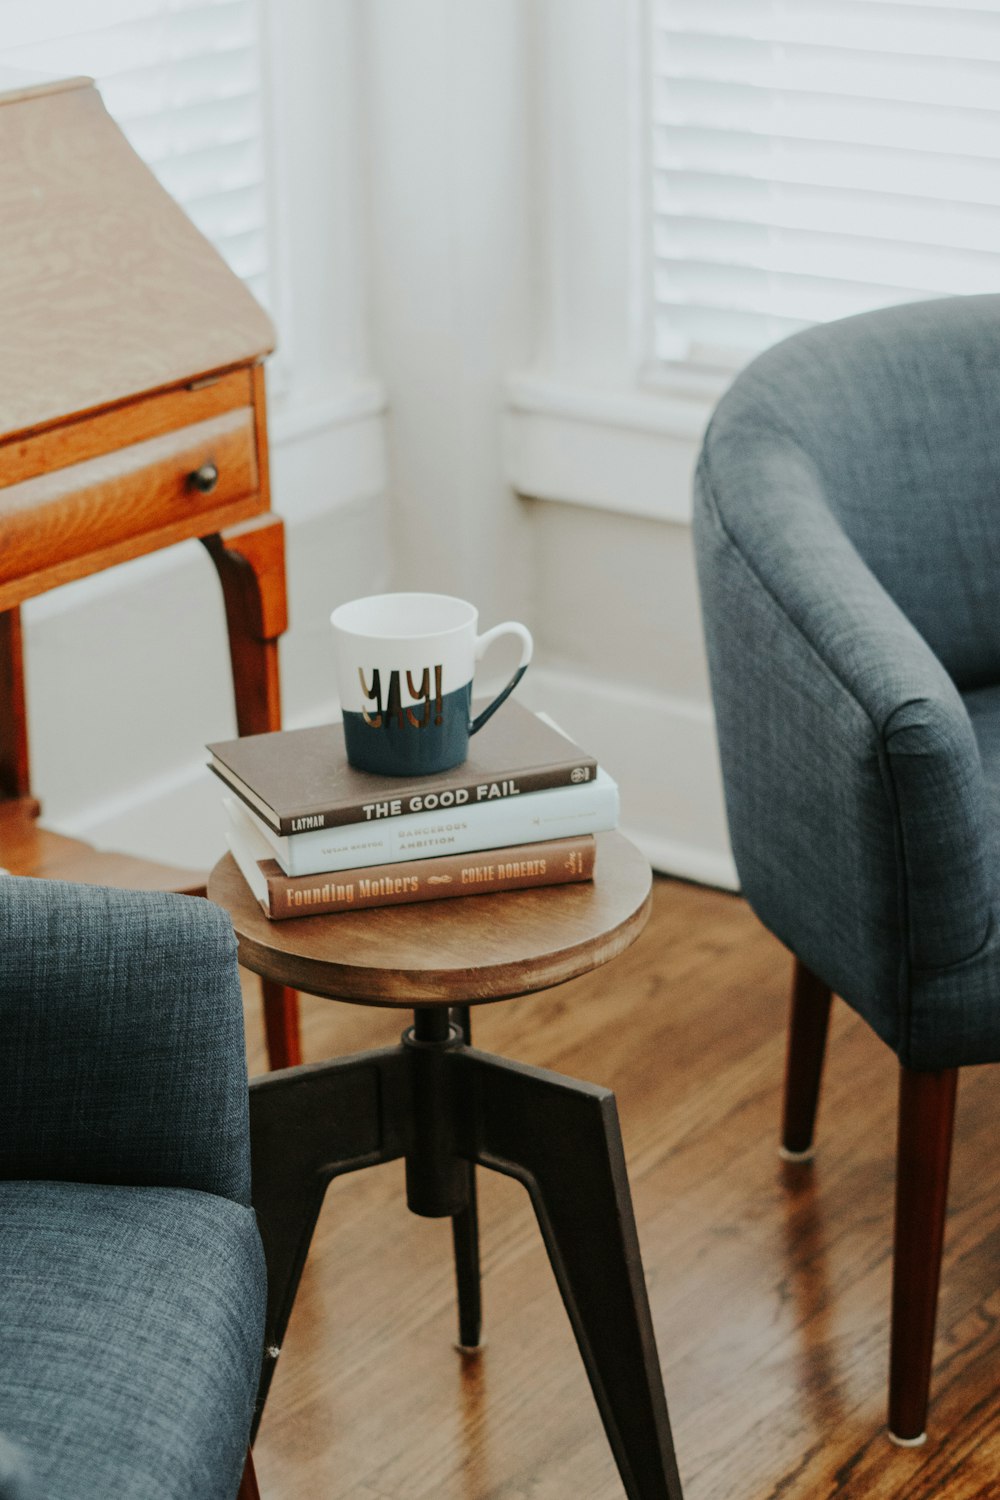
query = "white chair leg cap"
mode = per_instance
[
  {"x": 902, "y": 1442},
  {"x": 806, "y": 1155}
]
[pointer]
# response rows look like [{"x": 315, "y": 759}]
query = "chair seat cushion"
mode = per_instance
[{"x": 131, "y": 1322}]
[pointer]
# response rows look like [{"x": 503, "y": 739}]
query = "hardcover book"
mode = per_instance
[
  {"x": 551, "y": 862},
  {"x": 561, "y": 812},
  {"x": 299, "y": 779}
]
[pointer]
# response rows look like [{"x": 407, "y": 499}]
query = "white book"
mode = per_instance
[
  {"x": 562, "y": 812},
  {"x": 247, "y": 846}
]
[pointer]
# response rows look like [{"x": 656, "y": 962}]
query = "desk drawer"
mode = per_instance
[{"x": 168, "y": 484}]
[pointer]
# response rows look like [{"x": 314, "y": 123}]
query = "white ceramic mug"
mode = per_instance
[{"x": 405, "y": 664}]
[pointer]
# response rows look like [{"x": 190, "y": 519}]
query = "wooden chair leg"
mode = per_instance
[
  {"x": 807, "y": 1030},
  {"x": 250, "y": 562},
  {"x": 248, "y": 1484},
  {"x": 926, "y": 1120}
]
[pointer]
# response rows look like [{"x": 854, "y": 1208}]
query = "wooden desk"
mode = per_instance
[
  {"x": 446, "y": 1108},
  {"x": 132, "y": 416}
]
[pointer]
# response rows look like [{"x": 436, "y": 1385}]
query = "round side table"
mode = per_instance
[{"x": 447, "y": 1108}]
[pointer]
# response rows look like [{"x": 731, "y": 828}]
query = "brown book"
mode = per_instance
[
  {"x": 551, "y": 862},
  {"x": 299, "y": 779}
]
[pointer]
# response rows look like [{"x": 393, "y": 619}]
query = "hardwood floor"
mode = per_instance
[{"x": 769, "y": 1283}]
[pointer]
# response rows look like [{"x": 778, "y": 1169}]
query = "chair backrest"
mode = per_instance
[
  {"x": 898, "y": 414},
  {"x": 123, "y": 1050},
  {"x": 846, "y": 527}
]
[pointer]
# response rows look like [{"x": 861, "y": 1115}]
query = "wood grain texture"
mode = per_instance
[
  {"x": 479, "y": 949},
  {"x": 109, "y": 555},
  {"x": 75, "y": 441},
  {"x": 108, "y": 290},
  {"x": 250, "y": 561},
  {"x": 26, "y": 848},
  {"x": 15, "y": 775},
  {"x": 60, "y": 518},
  {"x": 769, "y": 1283},
  {"x": 258, "y": 381}
]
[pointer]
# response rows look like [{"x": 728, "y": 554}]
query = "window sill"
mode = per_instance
[{"x": 625, "y": 450}]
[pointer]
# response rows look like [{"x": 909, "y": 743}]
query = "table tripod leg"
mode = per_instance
[
  {"x": 465, "y": 1238},
  {"x": 308, "y": 1125},
  {"x": 562, "y": 1140},
  {"x": 465, "y": 1241}
]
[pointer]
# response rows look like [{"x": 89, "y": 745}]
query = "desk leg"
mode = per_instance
[
  {"x": 250, "y": 562},
  {"x": 465, "y": 1238},
  {"x": 308, "y": 1125},
  {"x": 14, "y": 775},
  {"x": 562, "y": 1140}
]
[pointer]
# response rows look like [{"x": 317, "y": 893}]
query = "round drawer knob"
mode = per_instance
[{"x": 204, "y": 479}]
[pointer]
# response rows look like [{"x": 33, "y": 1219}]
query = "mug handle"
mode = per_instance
[{"x": 527, "y": 646}]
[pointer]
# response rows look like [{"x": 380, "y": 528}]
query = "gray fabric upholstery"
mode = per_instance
[
  {"x": 131, "y": 1337},
  {"x": 132, "y": 1284},
  {"x": 123, "y": 1039},
  {"x": 846, "y": 526}
]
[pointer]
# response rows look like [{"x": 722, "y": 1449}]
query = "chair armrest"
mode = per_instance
[
  {"x": 123, "y": 1057},
  {"x": 853, "y": 784}
]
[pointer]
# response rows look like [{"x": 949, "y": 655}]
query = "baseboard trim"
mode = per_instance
[
  {"x": 175, "y": 818},
  {"x": 626, "y": 452},
  {"x": 662, "y": 752},
  {"x": 686, "y": 861}
]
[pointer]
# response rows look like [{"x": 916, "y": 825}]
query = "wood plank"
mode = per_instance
[
  {"x": 66, "y": 443},
  {"x": 126, "y": 548},
  {"x": 769, "y": 1282},
  {"x": 64, "y": 516},
  {"x": 26, "y": 848}
]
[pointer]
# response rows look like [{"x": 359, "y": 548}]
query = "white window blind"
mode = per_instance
[
  {"x": 816, "y": 158},
  {"x": 183, "y": 80}
]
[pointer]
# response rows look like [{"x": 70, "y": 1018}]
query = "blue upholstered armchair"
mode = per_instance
[
  {"x": 848, "y": 539},
  {"x": 132, "y": 1283}
]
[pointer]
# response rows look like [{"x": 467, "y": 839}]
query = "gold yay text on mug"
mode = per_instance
[{"x": 392, "y": 707}]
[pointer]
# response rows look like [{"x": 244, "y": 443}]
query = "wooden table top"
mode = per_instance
[{"x": 465, "y": 951}]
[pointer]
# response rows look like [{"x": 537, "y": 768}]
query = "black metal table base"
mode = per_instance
[{"x": 446, "y": 1107}]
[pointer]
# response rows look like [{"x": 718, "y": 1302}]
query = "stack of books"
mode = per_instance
[{"x": 311, "y": 834}]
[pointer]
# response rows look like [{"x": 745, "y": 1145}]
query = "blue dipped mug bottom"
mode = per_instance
[
  {"x": 416, "y": 740},
  {"x": 405, "y": 664}
]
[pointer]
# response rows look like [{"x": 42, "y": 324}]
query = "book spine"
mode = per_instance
[
  {"x": 470, "y": 794},
  {"x": 564, "y": 812},
  {"x": 552, "y": 862}
]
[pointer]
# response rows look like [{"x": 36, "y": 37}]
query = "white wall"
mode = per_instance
[
  {"x": 532, "y": 469},
  {"x": 462, "y": 407}
]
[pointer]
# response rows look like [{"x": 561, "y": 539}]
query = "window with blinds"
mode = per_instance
[
  {"x": 816, "y": 158},
  {"x": 182, "y": 79}
]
